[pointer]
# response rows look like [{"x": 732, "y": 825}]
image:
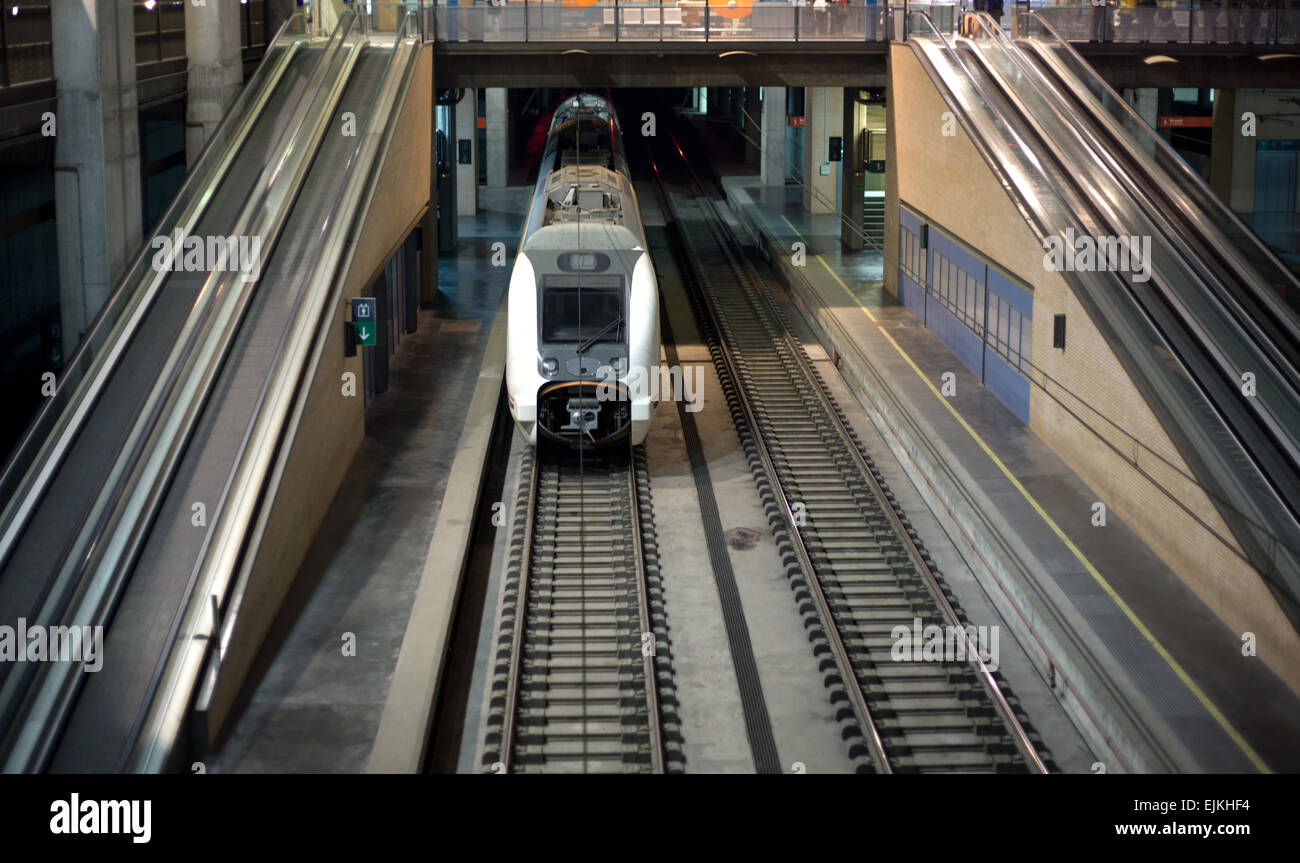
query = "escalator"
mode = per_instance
[
  {"x": 1215, "y": 304},
  {"x": 125, "y": 495},
  {"x": 1150, "y": 157},
  {"x": 1254, "y": 288}
]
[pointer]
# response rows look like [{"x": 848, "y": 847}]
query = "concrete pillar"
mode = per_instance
[
  {"x": 326, "y": 15},
  {"x": 1226, "y": 128},
  {"x": 891, "y": 175},
  {"x": 466, "y": 125},
  {"x": 1241, "y": 190},
  {"x": 216, "y": 70},
  {"x": 97, "y": 155},
  {"x": 751, "y": 124},
  {"x": 277, "y": 12},
  {"x": 852, "y": 171},
  {"x": 823, "y": 119},
  {"x": 498, "y": 135},
  {"x": 772, "y": 169},
  {"x": 429, "y": 227}
]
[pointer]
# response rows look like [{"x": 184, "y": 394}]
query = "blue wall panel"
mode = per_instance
[
  {"x": 912, "y": 295},
  {"x": 1019, "y": 299},
  {"x": 955, "y": 253},
  {"x": 956, "y": 335},
  {"x": 1007, "y": 384},
  {"x": 1002, "y": 379}
]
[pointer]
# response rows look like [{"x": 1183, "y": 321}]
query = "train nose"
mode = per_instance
[{"x": 578, "y": 412}]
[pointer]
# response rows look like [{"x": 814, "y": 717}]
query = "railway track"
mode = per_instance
[
  {"x": 582, "y": 679},
  {"x": 854, "y": 562}
]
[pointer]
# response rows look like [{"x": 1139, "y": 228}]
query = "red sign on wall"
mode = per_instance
[
  {"x": 1186, "y": 122},
  {"x": 796, "y": 121}
]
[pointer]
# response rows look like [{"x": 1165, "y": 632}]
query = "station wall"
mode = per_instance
[{"x": 1081, "y": 400}]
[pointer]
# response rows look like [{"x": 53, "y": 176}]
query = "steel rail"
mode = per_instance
[
  {"x": 547, "y": 467},
  {"x": 726, "y": 239},
  {"x": 520, "y": 622}
]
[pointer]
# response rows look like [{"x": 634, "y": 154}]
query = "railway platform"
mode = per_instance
[{"x": 1147, "y": 671}]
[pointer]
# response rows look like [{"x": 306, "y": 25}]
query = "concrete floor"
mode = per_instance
[
  {"x": 714, "y": 739},
  {"x": 306, "y": 707}
]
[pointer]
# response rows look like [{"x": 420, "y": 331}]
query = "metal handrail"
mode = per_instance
[
  {"x": 1214, "y": 289},
  {"x": 92, "y": 570},
  {"x": 1183, "y": 35},
  {"x": 45, "y": 444},
  {"x": 613, "y": 32},
  {"x": 203, "y": 630},
  {"x": 1170, "y": 162}
]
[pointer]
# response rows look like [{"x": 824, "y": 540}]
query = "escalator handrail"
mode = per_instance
[
  {"x": 97, "y": 561},
  {"x": 1205, "y": 311},
  {"x": 227, "y": 550},
  {"x": 34, "y": 461},
  {"x": 1269, "y": 321},
  {"x": 1245, "y": 345},
  {"x": 1187, "y": 179}
]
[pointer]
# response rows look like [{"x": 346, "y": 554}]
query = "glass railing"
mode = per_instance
[
  {"x": 1252, "y": 22},
  {"x": 658, "y": 21},
  {"x": 1257, "y": 22},
  {"x": 401, "y": 18}
]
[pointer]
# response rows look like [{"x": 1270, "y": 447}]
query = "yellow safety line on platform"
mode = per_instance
[{"x": 1092, "y": 570}]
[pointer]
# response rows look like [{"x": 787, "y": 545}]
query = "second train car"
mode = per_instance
[{"x": 583, "y": 308}]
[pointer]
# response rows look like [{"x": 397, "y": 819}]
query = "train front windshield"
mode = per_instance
[{"x": 581, "y": 314}]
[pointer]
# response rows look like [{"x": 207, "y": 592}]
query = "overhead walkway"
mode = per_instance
[
  {"x": 140, "y": 498},
  {"x": 1210, "y": 339},
  {"x": 1184, "y": 23}
]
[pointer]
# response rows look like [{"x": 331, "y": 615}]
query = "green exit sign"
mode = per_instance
[
  {"x": 876, "y": 166},
  {"x": 363, "y": 321},
  {"x": 366, "y": 335}
]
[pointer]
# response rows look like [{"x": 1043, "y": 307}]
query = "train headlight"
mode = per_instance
[{"x": 550, "y": 365}]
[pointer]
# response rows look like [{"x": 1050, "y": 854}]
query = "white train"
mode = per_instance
[{"x": 583, "y": 310}]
